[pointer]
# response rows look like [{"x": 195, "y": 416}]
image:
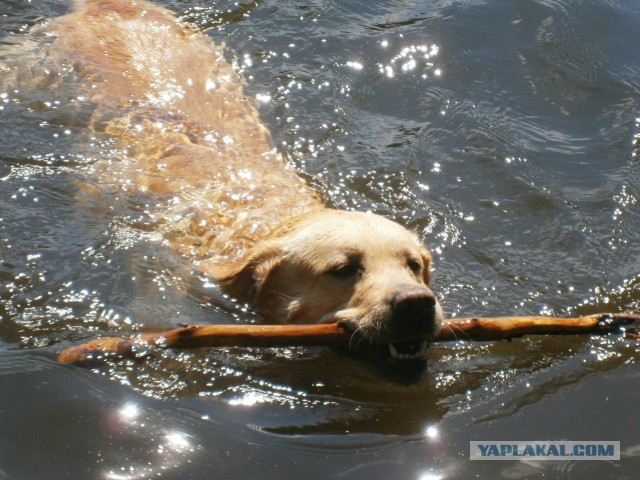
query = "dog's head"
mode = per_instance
[{"x": 359, "y": 269}]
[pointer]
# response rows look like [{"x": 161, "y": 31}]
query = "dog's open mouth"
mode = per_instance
[{"x": 408, "y": 350}]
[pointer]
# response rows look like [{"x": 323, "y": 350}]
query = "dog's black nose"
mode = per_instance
[
  {"x": 412, "y": 302},
  {"x": 415, "y": 315}
]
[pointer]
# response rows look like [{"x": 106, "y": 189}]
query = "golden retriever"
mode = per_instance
[{"x": 226, "y": 198}]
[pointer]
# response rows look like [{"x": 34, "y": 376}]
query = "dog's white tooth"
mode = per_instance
[{"x": 422, "y": 349}]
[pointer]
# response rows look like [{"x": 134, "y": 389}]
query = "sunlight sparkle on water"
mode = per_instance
[
  {"x": 177, "y": 441},
  {"x": 431, "y": 432},
  {"x": 263, "y": 97},
  {"x": 129, "y": 412},
  {"x": 431, "y": 476},
  {"x": 248, "y": 400},
  {"x": 410, "y": 58}
]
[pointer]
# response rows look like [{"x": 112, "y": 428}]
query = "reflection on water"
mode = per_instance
[
  {"x": 168, "y": 449},
  {"x": 506, "y": 135}
]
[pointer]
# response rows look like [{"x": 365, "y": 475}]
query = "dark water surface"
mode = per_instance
[{"x": 507, "y": 133}]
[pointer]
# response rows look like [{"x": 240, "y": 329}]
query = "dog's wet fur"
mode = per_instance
[{"x": 227, "y": 200}]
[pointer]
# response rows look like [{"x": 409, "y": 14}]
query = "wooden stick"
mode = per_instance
[
  {"x": 98, "y": 351},
  {"x": 498, "y": 328}
]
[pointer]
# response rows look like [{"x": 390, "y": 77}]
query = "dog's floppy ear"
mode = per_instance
[
  {"x": 426, "y": 271},
  {"x": 243, "y": 279}
]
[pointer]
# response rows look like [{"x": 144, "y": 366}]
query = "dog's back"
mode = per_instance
[{"x": 178, "y": 112}]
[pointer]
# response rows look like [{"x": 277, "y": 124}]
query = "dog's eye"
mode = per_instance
[
  {"x": 346, "y": 270},
  {"x": 414, "y": 266}
]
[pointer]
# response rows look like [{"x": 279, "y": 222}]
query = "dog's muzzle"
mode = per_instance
[{"x": 415, "y": 320}]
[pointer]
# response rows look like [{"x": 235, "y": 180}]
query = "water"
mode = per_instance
[{"x": 506, "y": 133}]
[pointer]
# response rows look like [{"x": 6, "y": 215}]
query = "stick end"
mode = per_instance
[{"x": 98, "y": 352}]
